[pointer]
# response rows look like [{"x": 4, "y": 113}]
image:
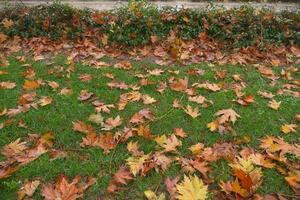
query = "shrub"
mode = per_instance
[{"x": 135, "y": 23}]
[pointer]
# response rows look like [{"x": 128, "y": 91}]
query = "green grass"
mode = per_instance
[{"x": 257, "y": 120}]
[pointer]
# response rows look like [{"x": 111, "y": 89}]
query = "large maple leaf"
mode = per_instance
[{"x": 191, "y": 189}]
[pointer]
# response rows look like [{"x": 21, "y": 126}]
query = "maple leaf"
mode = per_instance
[
  {"x": 144, "y": 131},
  {"x": 118, "y": 84},
  {"x": 161, "y": 87},
  {"x": 196, "y": 149},
  {"x": 7, "y": 23},
  {"x": 176, "y": 104},
  {"x": 45, "y": 101},
  {"x": 248, "y": 175},
  {"x": 267, "y": 95},
  {"x": 288, "y": 128},
  {"x": 234, "y": 186},
  {"x": 54, "y": 85},
  {"x": 227, "y": 115},
  {"x": 161, "y": 160},
  {"x": 128, "y": 97},
  {"x": 107, "y": 142},
  {"x": 121, "y": 177},
  {"x": 197, "y": 99},
  {"x": 85, "y": 95},
  {"x": 140, "y": 116},
  {"x": 3, "y": 37},
  {"x": 31, "y": 84},
  {"x": 28, "y": 189},
  {"x": 111, "y": 123},
  {"x": 155, "y": 72},
  {"x": 66, "y": 92},
  {"x": 171, "y": 186},
  {"x": 170, "y": 143},
  {"x": 274, "y": 104},
  {"x": 294, "y": 180},
  {"x": 213, "y": 126},
  {"x": 6, "y": 171},
  {"x": 102, "y": 107},
  {"x": 209, "y": 86},
  {"x": 123, "y": 65},
  {"x": 191, "y": 188},
  {"x": 14, "y": 148},
  {"x": 201, "y": 166},
  {"x": 133, "y": 147},
  {"x": 7, "y": 85},
  {"x": 147, "y": 99},
  {"x": 150, "y": 195},
  {"x": 179, "y": 85},
  {"x": 136, "y": 163},
  {"x": 180, "y": 132},
  {"x": 82, "y": 127},
  {"x": 64, "y": 190},
  {"x": 193, "y": 112},
  {"x": 96, "y": 118},
  {"x": 85, "y": 77}
]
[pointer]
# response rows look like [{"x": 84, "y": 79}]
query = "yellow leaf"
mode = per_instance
[
  {"x": 191, "y": 189},
  {"x": 213, "y": 125},
  {"x": 288, "y": 128},
  {"x": 274, "y": 104},
  {"x": 150, "y": 195},
  {"x": 136, "y": 163},
  {"x": 196, "y": 148}
]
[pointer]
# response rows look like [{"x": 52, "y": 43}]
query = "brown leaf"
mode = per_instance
[
  {"x": 28, "y": 189},
  {"x": 179, "y": 85},
  {"x": 45, "y": 101},
  {"x": 83, "y": 128},
  {"x": 85, "y": 95},
  {"x": 107, "y": 142},
  {"x": 227, "y": 115},
  {"x": 123, "y": 65},
  {"x": 64, "y": 190},
  {"x": 7, "y": 23},
  {"x": 121, "y": 177},
  {"x": 140, "y": 116},
  {"x": 171, "y": 186},
  {"x": 193, "y": 112},
  {"x": 111, "y": 123},
  {"x": 31, "y": 84}
]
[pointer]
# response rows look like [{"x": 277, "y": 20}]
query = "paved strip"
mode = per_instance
[{"x": 108, "y": 5}]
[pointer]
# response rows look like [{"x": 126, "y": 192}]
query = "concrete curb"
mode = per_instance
[{"x": 108, "y": 5}]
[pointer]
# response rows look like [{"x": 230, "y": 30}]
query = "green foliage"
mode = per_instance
[{"x": 135, "y": 23}]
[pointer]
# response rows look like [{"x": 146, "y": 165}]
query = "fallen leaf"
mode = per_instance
[
  {"x": 121, "y": 177},
  {"x": 111, "y": 123},
  {"x": 96, "y": 118},
  {"x": 288, "y": 128},
  {"x": 28, "y": 189},
  {"x": 227, "y": 115},
  {"x": 45, "y": 101},
  {"x": 274, "y": 104},
  {"x": 31, "y": 84},
  {"x": 64, "y": 190},
  {"x": 7, "y": 85},
  {"x": 193, "y": 112},
  {"x": 191, "y": 188}
]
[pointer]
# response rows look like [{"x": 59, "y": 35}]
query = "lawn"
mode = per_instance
[{"x": 54, "y": 121}]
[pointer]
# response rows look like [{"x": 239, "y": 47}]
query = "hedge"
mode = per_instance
[{"x": 139, "y": 22}]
